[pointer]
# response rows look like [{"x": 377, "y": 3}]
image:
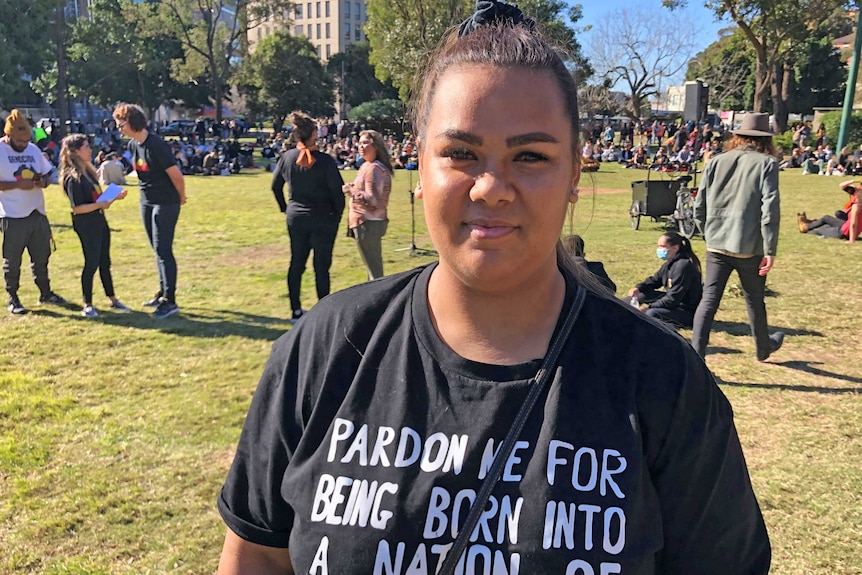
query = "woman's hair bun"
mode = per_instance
[{"x": 491, "y": 13}]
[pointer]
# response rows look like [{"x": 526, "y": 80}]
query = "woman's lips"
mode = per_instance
[{"x": 490, "y": 230}]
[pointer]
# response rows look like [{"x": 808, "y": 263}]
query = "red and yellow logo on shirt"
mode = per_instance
[{"x": 141, "y": 166}]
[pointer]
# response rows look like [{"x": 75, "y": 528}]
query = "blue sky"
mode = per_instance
[{"x": 696, "y": 13}]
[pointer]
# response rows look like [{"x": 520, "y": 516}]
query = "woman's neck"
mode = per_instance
[
  {"x": 503, "y": 328},
  {"x": 139, "y": 137}
]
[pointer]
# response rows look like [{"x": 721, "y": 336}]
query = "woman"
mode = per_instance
[
  {"x": 379, "y": 415},
  {"x": 680, "y": 277},
  {"x": 163, "y": 191},
  {"x": 314, "y": 211},
  {"x": 738, "y": 209},
  {"x": 847, "y": 222},
  {"x": 369, "y": 196},
  {"x": 80, "y": 181}
]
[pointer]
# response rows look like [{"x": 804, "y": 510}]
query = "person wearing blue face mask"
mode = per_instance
[{"x": 681, "y": 278}]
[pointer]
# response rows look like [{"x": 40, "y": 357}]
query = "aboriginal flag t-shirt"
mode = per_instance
[{"x": 151, "y": 159}]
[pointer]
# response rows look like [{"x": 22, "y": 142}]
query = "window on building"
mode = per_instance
[
  {"x": 347, "y": 9},
  {"x": 328, "y": 51},
  {"x": 347, "y": 31},
  {"x": 318, "y": 9},
  {"x": 327, "y": 8},
  {"x": 259, "y": 34},
  {"x": 297, "y": 30},
  {"x": 318, "y": 32},
  {"x": 298, "y": 11},
  {"x": 357, "y": 10},
  {"x": 327, "y": 30},
  {"x": 308, "y": 9},
  {"x": 318, "y": 50},
  {"x": 357, "y": 32}
]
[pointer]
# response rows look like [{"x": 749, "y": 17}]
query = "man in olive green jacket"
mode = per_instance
[{"x": 737, "y": 208}]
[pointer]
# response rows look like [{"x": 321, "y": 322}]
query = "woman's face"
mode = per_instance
[
  {"x": 664, "y": 244},
  {"x": 497, "y": 172},
  {"x": 85, "y": 153},
  {"x": 366, "y": 149}
]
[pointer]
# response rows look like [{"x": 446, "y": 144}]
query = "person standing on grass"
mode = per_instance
[
  {"x": 80, "y": 182},
  {"x": 163, "y": 191},
  {"x": 369, "y": 196},
  {"x": 373, "y": 430},
  {"x": 314, "y": 210},
  {"x": 737, "y": 208},
  {"x": 24, "y": 173}
]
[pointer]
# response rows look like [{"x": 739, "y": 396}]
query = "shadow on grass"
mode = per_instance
[
  {"x": 807, "y": 367},
  {"x": 717, "y": 350},
  {"x": 741, "y": 328},
  {"x": 187, "y": 323}
]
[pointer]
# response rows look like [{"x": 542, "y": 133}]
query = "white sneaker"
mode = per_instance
[{"x": 89, "y": 312}]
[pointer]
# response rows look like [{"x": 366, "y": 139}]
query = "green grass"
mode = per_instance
[{"x": 115, "y": 434}]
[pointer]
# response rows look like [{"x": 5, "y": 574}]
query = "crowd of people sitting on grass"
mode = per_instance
[{"x": 678, "y": 145}]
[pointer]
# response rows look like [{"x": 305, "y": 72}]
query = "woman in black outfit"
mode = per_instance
[
  {"x": 80, "y": 182},
  {"x": 681, "y": 278},
  {"x": 314, "y": 210}
]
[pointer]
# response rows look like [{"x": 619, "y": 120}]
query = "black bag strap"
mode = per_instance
[{"x": 540, "y": 383}]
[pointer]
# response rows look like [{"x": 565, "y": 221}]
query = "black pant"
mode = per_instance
[
  {"x": 160, "y": 222},
  {"x": 34, "y": 234},
  {"x": 95, "y": 236},
  {"x": 307, "y": 233},
  {"x": 674, "y": 317},
  {"x": 718, "y": 269}
]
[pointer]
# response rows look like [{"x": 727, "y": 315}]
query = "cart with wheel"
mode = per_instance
[{"x": 667, "y": 197}]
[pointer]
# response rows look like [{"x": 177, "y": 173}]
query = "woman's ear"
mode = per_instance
[{"x": 573, "y": 193}]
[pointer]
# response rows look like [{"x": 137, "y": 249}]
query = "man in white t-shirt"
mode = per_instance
[{"x": 24, "y": 173}]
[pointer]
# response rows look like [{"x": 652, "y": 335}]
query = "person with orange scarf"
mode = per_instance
[{"x": 314, "y": 209}]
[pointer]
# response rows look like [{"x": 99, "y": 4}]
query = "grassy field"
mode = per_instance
[{"x": 116, "y": 433}]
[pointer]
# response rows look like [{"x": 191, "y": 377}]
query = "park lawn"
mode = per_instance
[{"x": 115, "y": 434}]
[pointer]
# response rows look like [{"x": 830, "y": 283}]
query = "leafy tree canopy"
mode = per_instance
[
  {"x": 354, "y": 76},
  {"x": 284, "y": 74},
  {"x": 26, "y": 32}
]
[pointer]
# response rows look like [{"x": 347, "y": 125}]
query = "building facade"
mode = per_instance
[{"x": 330, "y": 25}]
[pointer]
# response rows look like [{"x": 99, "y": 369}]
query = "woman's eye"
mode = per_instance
[
  {"x": 531, "y": 157},
  {"x": 459, "y": 154}
]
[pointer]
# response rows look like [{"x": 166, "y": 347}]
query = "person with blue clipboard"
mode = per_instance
[{"x": 89, "y": 203}]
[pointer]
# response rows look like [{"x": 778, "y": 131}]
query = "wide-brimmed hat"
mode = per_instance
[{"x": 754, "y": 125}]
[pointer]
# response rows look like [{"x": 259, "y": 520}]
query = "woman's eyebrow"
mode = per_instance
[
  {"x": 531, "y": 138},
  {"x": 512, "y": 141}
]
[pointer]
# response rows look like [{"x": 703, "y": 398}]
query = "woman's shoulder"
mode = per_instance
[{"x": 357, "y": 310}]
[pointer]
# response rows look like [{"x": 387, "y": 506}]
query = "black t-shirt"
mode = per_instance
[
  {"x": 368, "y": 437},
  {"x": 151, "y": 160},
  {"x": 314, "y": 191},
  {"x": 80, "y": 192}
]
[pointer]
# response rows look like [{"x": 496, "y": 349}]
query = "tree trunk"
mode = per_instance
[
  {"x": 218, "y": 97},
  {"x": 62, "y": 91},
  {"x": 761, "y": 84},
  {"x": 781, "y": 78}
]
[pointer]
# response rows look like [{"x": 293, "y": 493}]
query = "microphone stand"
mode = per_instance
[{"x": 414, "y": 251}]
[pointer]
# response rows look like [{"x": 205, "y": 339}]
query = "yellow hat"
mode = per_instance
[{"x": 17, "y": 125}]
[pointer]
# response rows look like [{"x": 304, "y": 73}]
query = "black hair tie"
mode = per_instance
[{"x": 490, "y": 12}]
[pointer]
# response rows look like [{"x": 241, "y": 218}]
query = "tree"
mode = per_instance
[
  {"x": 25, "y": 26},
  {"x": 640, "y": 49},
  {"x": 354, "y": 76},
  {"x": 380, "y": 115},
  {"x": 726, "y": 66},
  {"x": 211, "y": 33},
  {"x": 774, "y": 29},
  {"x": 113, "y": 59},
  {"x": 403, "y": 34},
  {"x": 596, "y": 99},
  {"x": 285, "y": 74}
]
